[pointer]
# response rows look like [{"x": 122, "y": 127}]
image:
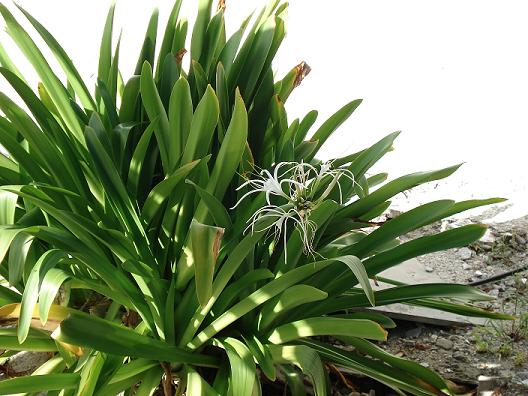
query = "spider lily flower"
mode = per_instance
[
  {"x": 297, "y": 184},
  {"x": 268, "y": 183}
]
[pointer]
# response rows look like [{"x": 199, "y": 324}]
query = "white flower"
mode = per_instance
[{"x": 301, "y": 187}]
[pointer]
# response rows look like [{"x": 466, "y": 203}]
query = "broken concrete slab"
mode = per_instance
[{"x": 413, "y": 272}]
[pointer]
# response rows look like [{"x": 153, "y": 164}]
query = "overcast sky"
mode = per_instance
[{"x": 452, "y": 75}]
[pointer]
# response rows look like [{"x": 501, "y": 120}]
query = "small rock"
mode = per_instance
[
  {"x": 425, "y": 364},
  {"x": 26, "y": 362},
  {"x": 429, "y": 269},
  {"x": 464, "y": 253},
  {"x": 494, "y": 293},
  {"x": 466, "y": 266},
  {"x": 394, "y": 213},
  {"x": 461, "y": 357},
  {"x": 479, "y": 274},
  {"x": 459, "y": 223},
  {"x": 488, "y": 237},
  {"x": 354, "y": 394},
  {"x": 414, "y": 332},
  {"x": 444, "y": 343},
  {"x": 520, "y": 240}
]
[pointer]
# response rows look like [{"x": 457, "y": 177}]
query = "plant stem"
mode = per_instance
[{"x": 167, "y": 379}]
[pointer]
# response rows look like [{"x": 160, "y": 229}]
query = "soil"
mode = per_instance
[{"x": 498, "y": 350}]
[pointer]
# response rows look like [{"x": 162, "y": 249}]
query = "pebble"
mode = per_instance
[
  {"x": 487, "y": 237},
  {"x": 429, "y": 269},
  {"x": 520, "y": 240},
  {"x": 444, "y": 343},
  {"x": 414, "y": 332},
  {"x": 466, "y": 266},
  {"x": 494, "y": 293},
  {"x": 479, "y": 274},
  {"x": 464, "y": 253},
  {"x": 26, "y": 362},
  {"x": 461, "y": 357}
]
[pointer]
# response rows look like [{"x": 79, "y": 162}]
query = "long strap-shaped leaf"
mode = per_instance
[
  {"x": 257, "y": 298},
  {"x": 53, "y": 85},
  {"x": 323, "y": 325},
  {"x": 307, "y": 360},
  {"x": 74, "y": 78},
  {"x": 105, "y": 336},
  {"x": 39, "y": 383}
]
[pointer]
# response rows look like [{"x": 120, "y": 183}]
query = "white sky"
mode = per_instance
[{"x": 452, "y": 75}]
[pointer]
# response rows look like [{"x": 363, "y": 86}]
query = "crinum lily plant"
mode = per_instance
[{"x": 135, "y": 220}]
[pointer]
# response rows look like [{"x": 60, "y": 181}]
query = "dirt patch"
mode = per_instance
[{"x": 499, "y": 349}]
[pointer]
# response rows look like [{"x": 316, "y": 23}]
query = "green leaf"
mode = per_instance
[
  {"x": 202, "y": 127},
  {"x": 168, "y": 36},
  {"x": 262, "y": 355},
  {"x": 180, "y": 114},
  {"x": 51, "y": 82},
  {"x": 105, "y": 52},
  {"x": 449, "y": 239},
  {"x": 243, "y": 370},
  {"x": 90, "y": 374},
  {"x": 49, "y": 287},
  {"x": 403, "y": 294},
  {"x": 394, "y": 378},
  {"x": 8, "y": 202},
  {"x": 31, "y": 290},
  {"x": 307, "y": 360},
  {"x": 358, "y": 269},
  {"x": 164, "y": 189},
  {"x": 257, "y": 298},
  {"x": 150, "y": 382},
  {"x": 291, "y": 298},
  {"x": 332, "y": 123},
  {"x": 406, "y": 222},
  {"x": 74, "y": 78},
  {"x": 205, "y": 244},
  {"x": 149, "y": 43},
  {"x": 156, "y": 111},
  {"x": 36, "y": 341},
  {"x": 304, "y": 126},
  {"x": 7, "y": 234},
  {"x": 197, "y": 386},
  {"x": 234, "y": 290},
  {"x": 200, "y": 27},
  {"x": 231, "y": 150},
  {"x": 39, "y": 383},
  {"x": 328, "y": 326},
  {"x": 102, "y": 335},
  {"x": 138, "y": 159},
  {"x": 18, "y": 255},
  {"x": 363, "y": 205},
  {"x": 413, "y": 368},
  {"x": 214, "y": 206}
]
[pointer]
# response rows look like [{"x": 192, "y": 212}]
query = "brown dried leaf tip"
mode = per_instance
[
  {"x": 217, "y": 242},
  {"x": 221, "y": 5},
  {"x": 301, "y": 71},
  {"x": 179, "y": 55}
]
